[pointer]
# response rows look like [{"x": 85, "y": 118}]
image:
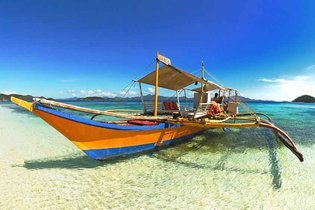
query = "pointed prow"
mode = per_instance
[{"x": 26, "y": 105}]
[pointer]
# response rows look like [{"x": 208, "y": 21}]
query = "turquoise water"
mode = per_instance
[{"x": 237, "y": 169}]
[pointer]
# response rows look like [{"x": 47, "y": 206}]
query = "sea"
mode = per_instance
[{"x": 220, "y": 169}]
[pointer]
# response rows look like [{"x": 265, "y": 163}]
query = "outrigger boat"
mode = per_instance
[{"x": 155, "y": 126}]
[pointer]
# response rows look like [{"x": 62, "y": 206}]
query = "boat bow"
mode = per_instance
[{"x": 26, "y": 105}]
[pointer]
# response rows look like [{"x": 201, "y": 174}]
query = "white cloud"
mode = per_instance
[
  {"x": 132, "y": 93},
  {"x": 100, "y": 93},
  {"x": 283, "y": 89},
  {"x": 150, "y": 90},
  {"x": 129, "y": 93},
  {"x": 271, "y": 80},
  {"x": 8, "y": 92},
  {"x": 107, "y": 94},
  {"x": 97, "y": 92},
  {"x": 82, "y": 92},
  {"x": 72, "y": 93}
]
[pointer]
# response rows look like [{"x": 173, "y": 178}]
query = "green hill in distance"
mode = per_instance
[
  {"x": 305, "y": 99},
  {"x": 4, "y": 97}
]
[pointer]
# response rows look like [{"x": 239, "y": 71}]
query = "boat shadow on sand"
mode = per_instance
[
  {"x": 212, "y": 141},
  {"x": 19, "y": 110},
  {"x": 75, "y": 161}
]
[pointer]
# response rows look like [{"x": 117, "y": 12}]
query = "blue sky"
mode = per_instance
[{"x": 265, "y": 49}]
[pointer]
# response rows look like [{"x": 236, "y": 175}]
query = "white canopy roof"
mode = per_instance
[{"x": 171, "y": 78}]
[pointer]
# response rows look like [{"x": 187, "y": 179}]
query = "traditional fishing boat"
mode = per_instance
[{"x": 158, "y": 124}]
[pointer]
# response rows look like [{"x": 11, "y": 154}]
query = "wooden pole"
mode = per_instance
[
  {"x": 177, "y": 95},
  {"x": 142, "y": 99},
  {"x": 202, "y": 71},
  {"x": 203, "y": 86},
  {"x": 186, "y": 106},
  {"x": 156, "y": 85}
]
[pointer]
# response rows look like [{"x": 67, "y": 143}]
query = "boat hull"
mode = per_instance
[{"x": 101, "y": 140}]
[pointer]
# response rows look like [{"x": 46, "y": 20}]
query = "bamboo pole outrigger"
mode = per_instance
[{"x": 90, "y": 111}]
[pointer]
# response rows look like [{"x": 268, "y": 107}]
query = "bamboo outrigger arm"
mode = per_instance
[
  {"x": 284, "y": 137},
  {"x": 98, "y": 112}
]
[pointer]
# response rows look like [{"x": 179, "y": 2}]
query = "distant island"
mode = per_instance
[
  {"x": 149, "y": 97},
  {"x": 4, "y": 97},
  {"x": 305, "y": 99},
  {"x": 92, "y": 98}
]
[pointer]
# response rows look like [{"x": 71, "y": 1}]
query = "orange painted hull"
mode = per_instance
[{"x": 101, "y": 142}]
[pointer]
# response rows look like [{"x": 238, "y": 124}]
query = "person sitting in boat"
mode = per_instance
[
  {"x": 218, "y": 99},
  {"x": 213, "y": 108}
]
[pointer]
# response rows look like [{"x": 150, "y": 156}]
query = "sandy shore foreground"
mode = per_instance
[
  {"x": 39, "y": 168},
  {"x": 25, "y": 144}
]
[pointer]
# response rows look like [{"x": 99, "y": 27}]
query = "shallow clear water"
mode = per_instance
[{"x": 237, "y": 169}]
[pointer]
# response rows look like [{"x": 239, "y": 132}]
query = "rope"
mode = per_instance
[
  {"x": 242, "y": 103},
  {"x": 215, "y": 79},
  {"x": 178, "y": 93},
  {"x": 133, "y": 83},
  {"x": 248, "y": 109},
  {"x": 135, "y": 77},
  {"x": 144, "y": 70},
  {"x": 195, "y": 71},
  {"x": 129, "y": 84}
]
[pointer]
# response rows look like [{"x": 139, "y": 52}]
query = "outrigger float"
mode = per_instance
[{"x": 155, "y": 126}]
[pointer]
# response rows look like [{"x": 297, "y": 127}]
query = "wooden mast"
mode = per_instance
[
  {"x": 177, "y": 96},
  {"x": 156, "y": 85},
  {"x": 202, "y": 70},
  {"x": 202, "y": 87},
  {"x": 142, "y": 99}
]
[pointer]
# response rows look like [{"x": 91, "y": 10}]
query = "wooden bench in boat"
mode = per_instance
[
  {"x": 142, "y": 122},
  {"x": 170, "y": 107},
  {"x": 163, "y": 108}
]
